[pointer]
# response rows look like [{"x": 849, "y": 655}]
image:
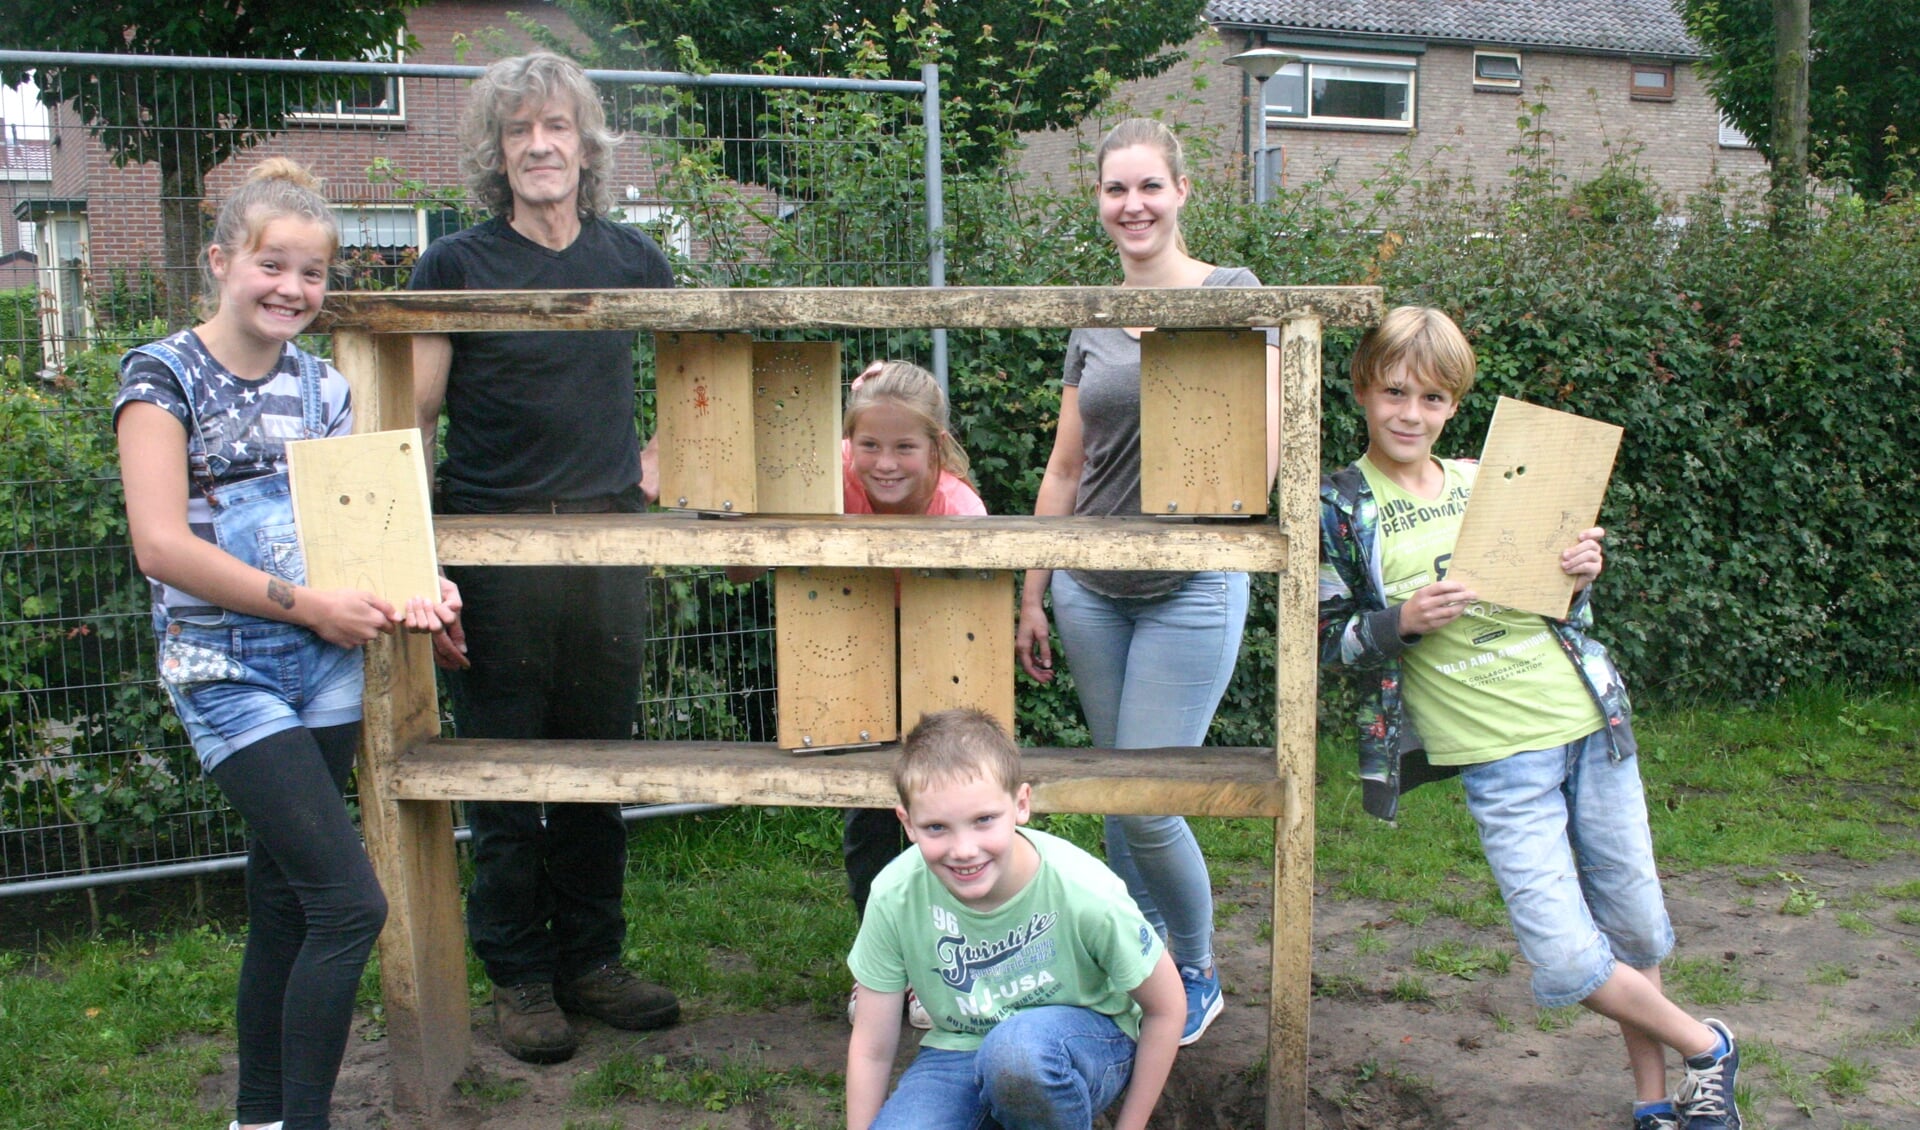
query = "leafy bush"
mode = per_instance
[
  {"x": 20, "y": 354},
  {"x": 91, "y": 752},
  {"x": 1758, "y": 502},
  {"x": 1757, "y": 509}
]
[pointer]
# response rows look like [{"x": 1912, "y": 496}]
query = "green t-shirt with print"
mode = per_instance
[
  {"x": 1493, "y": 682},
  {"x": 1071, "y": 936}
]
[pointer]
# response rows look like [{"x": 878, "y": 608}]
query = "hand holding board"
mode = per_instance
[
  {"x": 362, "y": 506},
  {"x": 1542, "y": 477}
]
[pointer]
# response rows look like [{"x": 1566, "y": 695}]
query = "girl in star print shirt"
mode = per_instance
[{"x": 264, "y": 671}]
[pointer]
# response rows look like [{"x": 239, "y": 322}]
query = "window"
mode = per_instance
[
  {"x": 378, "y": 244},
  {"x": 60, "y": 243},
  {"x": 1731, "y": 137},
  {"x": 1496, "y": 70},
  {"x": 1652, "y": 82},
  {"x": 1344, "y": 91},
  {"x": 359, "y": 98}
]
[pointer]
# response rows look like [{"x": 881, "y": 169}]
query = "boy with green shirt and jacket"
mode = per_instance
[
  {"x": 1530, "y": 713},
  {"x": 1049, "y": 992}
]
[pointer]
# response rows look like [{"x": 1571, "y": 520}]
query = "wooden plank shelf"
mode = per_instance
[
  {"x": 1208, "y": 781},
  {"x": 877, "y": 541},
  {"x": 850, "y": 307}
]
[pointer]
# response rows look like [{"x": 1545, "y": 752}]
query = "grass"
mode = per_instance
[
  {"x": 746, "y": 910},
  {"x": 1728, "y": 788},
  {"x": 1831, "y": 973},
  {"x": 101, "y": 1035},
  {"x": 1846, "y": 1078},
  {"x": 1796, "y": 1086},
  {"x": 1456, "y": 959},
  {"x": 695, "y": 1082},
  {"x": 1696, "y": 980}
]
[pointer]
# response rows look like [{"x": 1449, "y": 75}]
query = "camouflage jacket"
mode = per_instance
[{"x": 1358, "y": 630}]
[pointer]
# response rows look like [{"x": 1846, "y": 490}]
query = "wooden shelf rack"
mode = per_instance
[{"x": 409, "y": 774}]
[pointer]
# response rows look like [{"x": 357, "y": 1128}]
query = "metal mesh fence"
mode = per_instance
[{"x": 104, "y": 187}]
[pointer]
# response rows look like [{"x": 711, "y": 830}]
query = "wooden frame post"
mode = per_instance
[
  {"x": 1296, "y": 694},
  {"x": 423, "y": 961}
]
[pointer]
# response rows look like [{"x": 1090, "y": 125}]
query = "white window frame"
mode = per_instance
[
  {"x": 63, "y": 286},
  {"x": 1499, "y": 83},
  {"x": 1302, "y": 73},
  {"x": 1732, "y": 138},
  {"x": 347, "y": 217},
  {"x": 396, "y": 99}
]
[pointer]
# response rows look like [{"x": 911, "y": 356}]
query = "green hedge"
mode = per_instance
[{"x": 1764, "y": 491}]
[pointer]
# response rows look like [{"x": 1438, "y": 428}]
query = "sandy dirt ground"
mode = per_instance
[{"x": 1474, "y": 1053}]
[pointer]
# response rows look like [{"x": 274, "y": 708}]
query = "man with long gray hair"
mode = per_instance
[{"x": 543, "y": 423}]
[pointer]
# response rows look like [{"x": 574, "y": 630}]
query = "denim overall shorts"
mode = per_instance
[{"x": 233, "y": 678}]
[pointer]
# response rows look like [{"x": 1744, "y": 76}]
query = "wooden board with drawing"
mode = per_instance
[
  {"x": 1542, "y": 477},
  {"x": 361, "y": 503}
]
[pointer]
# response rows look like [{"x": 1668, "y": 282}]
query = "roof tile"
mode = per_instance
[{"x": 1632, "y": 27}]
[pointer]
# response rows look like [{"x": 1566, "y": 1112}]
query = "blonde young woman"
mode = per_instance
[{"x": 1151, "y": 652}]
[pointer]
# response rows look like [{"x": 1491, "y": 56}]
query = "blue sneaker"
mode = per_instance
[
  {"x": 1705, "y": 1096},
  {"x": 1203, "y": 1001},
  {"x": 1659, "y": 1118}
]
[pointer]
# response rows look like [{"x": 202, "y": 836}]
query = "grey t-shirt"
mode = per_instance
[{"x": 1104, "y": 364}]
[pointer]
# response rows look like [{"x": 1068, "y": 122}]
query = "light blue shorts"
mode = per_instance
[
  {"x": 233, "y": 685},
  {"x": 1565, "y": 831}
]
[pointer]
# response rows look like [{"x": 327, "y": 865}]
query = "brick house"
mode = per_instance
[
  {"x": 375, "y": 143},
  {"x": 26, "y": 169},
  {"x": 1444, "y": 80}
]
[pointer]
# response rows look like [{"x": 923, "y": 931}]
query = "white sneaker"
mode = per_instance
[
  {"x": 916, "y": 1012},
  {"x": 235, "y": 1125}
]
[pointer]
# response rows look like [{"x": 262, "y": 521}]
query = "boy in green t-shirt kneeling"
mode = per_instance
[
  {"x": 1530, "y": 713},
  {"x": 1049, "y": 992}
]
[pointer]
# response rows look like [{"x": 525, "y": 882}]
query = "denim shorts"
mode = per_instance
[
  {"x": 1565, "y": 831},
  {"x": 242, "y": 681}
]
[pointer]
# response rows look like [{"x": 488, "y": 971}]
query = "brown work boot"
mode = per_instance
[
  {"x": 532, "y": 1027},
  {"x": 613, "y": 995}
]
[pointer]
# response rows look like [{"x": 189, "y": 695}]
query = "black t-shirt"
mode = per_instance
[{"x": 537, "y": 416}]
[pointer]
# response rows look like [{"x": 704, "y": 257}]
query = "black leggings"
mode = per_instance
[{"x": 314, "y": 910}]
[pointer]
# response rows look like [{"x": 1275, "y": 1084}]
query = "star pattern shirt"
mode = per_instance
[{"x": 244, "y": 424}]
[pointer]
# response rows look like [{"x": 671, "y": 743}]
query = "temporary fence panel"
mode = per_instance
[{"x": 742, "y": 180}]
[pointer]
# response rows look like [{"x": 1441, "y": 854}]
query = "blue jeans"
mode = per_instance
[
  {"x": 1565, "y": 831},
  {"x": 1150, "y": 672},
  {"x": 555, "y": 653},
  {"x": 1048, "y": 1068}
]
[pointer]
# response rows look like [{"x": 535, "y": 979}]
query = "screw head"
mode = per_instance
[
  {"x": 727, "y": 504},
  {"x": 864, "y": 737},
  {"x": 1173, "y": 507},
  {"x": 681, "y": 501},
  {"x": 805, "y": 741},
  {"x": 1236, "y": 506}
]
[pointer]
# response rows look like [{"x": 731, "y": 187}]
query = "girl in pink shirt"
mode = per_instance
[{"x": 898, "y": 456}]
